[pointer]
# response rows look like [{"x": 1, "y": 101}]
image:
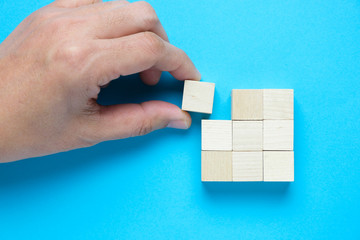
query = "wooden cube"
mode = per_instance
[
  {"x": 278, "y": 134},
  {"x": 278, "y": 104},
  {"x": 247, "y": 135},
  {"x": 216, "y": 135},
  {"x": 198, "y": 96},
  {"x": 247, "y": 166},
  {"x": 216, "y": 166},
  {"x": 247, "y": 104},
  {"x": 278, "y": 166}
]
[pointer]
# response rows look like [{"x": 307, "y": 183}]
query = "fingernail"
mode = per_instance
[
  {"x": 199, "y": 74},
  {"x": 180, "y": 124}
]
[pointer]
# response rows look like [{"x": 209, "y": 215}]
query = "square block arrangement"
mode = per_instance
[
  {"x": 258, "y": 141},
  {"x": 198, "y": 96}
]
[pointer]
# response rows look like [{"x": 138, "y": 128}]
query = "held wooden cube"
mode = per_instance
[
  {"x": 247, "y": 135},
  {"x": 247, "y": 166},
  {"x": 247, "y": 104},
  {"x": 198, "y": 96},
  {"x": 278, "y": 135},
  {"x": 278, "y": 166},
  {"x": 216, "y": 135},
  {"x": 216, "y": 166},
  {"x": 278, "y": 104}
]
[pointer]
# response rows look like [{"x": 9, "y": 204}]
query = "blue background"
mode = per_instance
[{"x": 149, "y": 187}]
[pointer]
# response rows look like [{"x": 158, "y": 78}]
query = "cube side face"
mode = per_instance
[
  {"x": 247, "y": 104},
  {"x": 247, "y": 166},
  {"x": 198, "y": 96},
  {"x": 278, "y": 135},
  {"x": 278, "y": 104},
  {"x": 247, "y": 135},
  {"x": 278, "y": 166},
  {"x": 216, "y": 166},
  {"x": 216, "y": 135}
]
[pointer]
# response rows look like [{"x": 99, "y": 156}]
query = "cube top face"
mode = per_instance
[
  {"x": 260, "y": 104},
  {"x": 216, "y": 135},
  {"x": 216, "y": 166},
  {"x": 247, "y": 135},
  {"x": 278, "y": 135},
  {"x": 247, "y": 104},
  {"x": 278, "y": 166},
  {"x": 198, "y": 96},
  {"x": 247, "y": 166},
  {"x": 278, "y": 104}
]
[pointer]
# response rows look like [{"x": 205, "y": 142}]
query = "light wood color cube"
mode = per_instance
[
  {"x": 247, "y": 166},
  {"x": 198, "y": 96},
  {"x": 216, "y": 135},
  {"x": 247, "y": 135},
  {"x": 278, "y": 166},
  {"x": 278, "y": 134},
  {"x": 247, "y": 104},
  {"x": 278, "y": 104},
  {"x": 216, "y": 166}
]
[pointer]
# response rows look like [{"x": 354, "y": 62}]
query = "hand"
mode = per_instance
[{"x": 53, "y": 65}]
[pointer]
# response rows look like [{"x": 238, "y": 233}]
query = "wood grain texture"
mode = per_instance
[
  {"x": 216, "y": 135},
  {"x": 278, "y": 104},
  {"x": 278, "y": 166},
  {"x": 216, "y": 166},
  {"x": 198, "y": 96},
  {"x": 247, "y": 166},
  {"x": 247, "y": 135},
  {"x": 247, "y": 104},
  {"x": 278, "y": 134}
]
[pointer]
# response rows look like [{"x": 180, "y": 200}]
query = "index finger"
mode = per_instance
[{"x": 142, "y": 51}]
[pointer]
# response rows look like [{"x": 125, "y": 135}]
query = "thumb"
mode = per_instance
[{"x": 129, "y": 120}]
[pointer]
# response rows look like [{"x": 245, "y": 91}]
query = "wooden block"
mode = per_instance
[
  {"x": 247, "y": 166},
  {"x": 247, "y": 135},
  {"x": 216, "y": 166},
  {"x": 198, "y": 96},
  {"x": 216, "y": 135},
  {"x": 278, "y": 134},
  {"x": 247, "y": 104},
  {"x": 278, "y": 104},
  {"x": 278, "y": 166}
]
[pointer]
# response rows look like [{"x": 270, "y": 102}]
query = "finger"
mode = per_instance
[
  {"x": 129, "y": 19},
  {"x": 100, "y": 8},
  {"x": 151, "y": 76},
  {"x": 74, "y": 3},
  {"x": 128, "y": 120},
  {"x": 139, "y": 52}
]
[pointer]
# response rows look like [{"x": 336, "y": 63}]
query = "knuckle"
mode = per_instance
[
  {"x": 71, "y": 54},
  {"x": 144, "y": 127},
  {"x": 149, "y": 16},
  {"x": 146, "y": 6},
  {"x": 153, "y": 43},
  {"x": 41, "y": 15}
]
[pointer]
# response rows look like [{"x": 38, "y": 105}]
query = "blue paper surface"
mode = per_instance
[{"x": 149, "y": 187}]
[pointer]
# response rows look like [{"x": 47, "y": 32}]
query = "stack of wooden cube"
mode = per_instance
[{"x": 257, "y": 144}]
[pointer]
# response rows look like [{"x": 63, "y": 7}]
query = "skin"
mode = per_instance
[{"x": 54, "y": 63}]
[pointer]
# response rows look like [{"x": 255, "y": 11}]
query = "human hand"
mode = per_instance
[{"x": 53, "y": 65}]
